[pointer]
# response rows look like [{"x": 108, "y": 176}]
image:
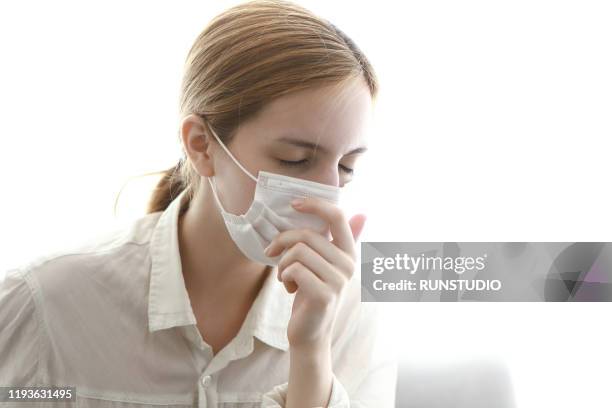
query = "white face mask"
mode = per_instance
[{"x": 271, "y": 211}]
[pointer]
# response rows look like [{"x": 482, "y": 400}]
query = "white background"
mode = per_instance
[{"x": 493, "y": 124}]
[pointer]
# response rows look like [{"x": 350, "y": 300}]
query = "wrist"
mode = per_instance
[
  {"x": 312, "y": 347},
  {"x": 311, "y": 356}
]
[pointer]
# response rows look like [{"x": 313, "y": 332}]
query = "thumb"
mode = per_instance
[{"x": 357, "y": 222}]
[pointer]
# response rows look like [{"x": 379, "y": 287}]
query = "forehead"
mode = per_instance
[{"x": 336, "y": 117}]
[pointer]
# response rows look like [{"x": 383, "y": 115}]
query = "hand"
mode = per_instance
[{"x": 318, "y": 269}]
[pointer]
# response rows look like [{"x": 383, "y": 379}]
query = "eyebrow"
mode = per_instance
[{"x": 314, "y": 146}]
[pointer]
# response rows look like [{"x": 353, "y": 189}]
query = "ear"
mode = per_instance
[{"x": 197, "y": 144}]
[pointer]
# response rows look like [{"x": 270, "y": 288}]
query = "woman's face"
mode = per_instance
[{"x": 316, "y": 135}]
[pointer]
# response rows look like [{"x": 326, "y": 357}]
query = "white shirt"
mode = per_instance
[{"x": 113, "y": 318}]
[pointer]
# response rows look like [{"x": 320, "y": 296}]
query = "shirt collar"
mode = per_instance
[{"x": 169, "y": 303}]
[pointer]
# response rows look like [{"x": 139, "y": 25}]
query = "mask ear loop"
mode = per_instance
[
  {"x": 214, "y": 191},
  {"x": 232, "y": 156}
]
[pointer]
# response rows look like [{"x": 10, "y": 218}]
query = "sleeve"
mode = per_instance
[
  {"x": 20, "y": 338},
  {"x": 277, "y": 397},
  {"x": 365, "y": 368}
]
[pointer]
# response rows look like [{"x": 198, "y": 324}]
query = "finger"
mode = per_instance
[
  {"x": 306, "y": 256},
  {"x": 338, "y": 225},
  {"x": 330, "y": 252},
  {"x": 306, "y": 281},
  {"x": 357, "y": 223}
]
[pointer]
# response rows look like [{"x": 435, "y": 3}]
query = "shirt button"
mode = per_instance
[{"x": 206, "y": 380}]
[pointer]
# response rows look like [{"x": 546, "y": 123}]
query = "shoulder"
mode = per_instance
[
  {"x": 136, "y": 232},
  {"x": 15, "y": 293},
  {"x": 99, "y": 262},
  {"x": 19, "y": 331}
]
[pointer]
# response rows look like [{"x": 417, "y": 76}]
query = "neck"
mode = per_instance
[{"x": 212, "y": 263}]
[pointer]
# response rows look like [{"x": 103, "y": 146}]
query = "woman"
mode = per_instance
[{"x": 185, "y": 308}]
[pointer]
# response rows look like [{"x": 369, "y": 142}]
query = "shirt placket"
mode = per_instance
[{"x": 210, "y": 366}]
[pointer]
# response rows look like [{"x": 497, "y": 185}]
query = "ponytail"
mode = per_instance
[{"x": 167, "y": 189}]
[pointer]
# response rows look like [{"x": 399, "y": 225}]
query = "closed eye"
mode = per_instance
[
  {"x": 293, "y": 163},
  {"x": 347, "y": 170},
  {"x": 303, "y": 162}
]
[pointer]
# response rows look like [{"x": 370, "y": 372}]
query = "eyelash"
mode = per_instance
[{"x": 302, "y": 162}]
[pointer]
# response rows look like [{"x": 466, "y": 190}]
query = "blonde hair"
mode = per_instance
[{"x": 246, "y": 57}]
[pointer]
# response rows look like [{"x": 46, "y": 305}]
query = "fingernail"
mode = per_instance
[
  {"x": 297, "y": 202},
  {"x": 267, "y": 250}
]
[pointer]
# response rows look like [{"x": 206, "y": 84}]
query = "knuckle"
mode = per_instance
[
  {"x": 303, "y": 232},
  {"x": 352, "y": 255},
  {"x": 351, "y": 271},
  {"x": 300, "y": 248},
  {"x": 348, "y": 261},
  {"x": 298, "y": 269},
  {"x": 290, "y": 254},
  {"x": 292, "y": 268},
  {"x": 286, "y": 260}
]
